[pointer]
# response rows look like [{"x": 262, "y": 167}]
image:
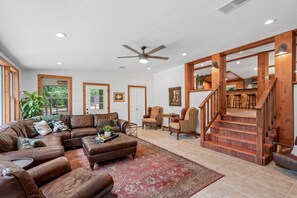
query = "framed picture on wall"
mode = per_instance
[
  {"x": 175, "y": 96},
  {"x": 118, "y": 97}
]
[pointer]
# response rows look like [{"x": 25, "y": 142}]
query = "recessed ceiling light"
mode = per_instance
[
  {"x": 269, "y": 21},
  {"x": 256, "y": 68},
  {"x": 238, "y": 62},
  {"x": 59, "y": 63},
  {"x": 61, "y": 35},
  {"x": 122, "y": 67},
  {"x": 240, "y": 52},
  {"x": 184, "y": 54},
  {"x": 148, "y": 68}
]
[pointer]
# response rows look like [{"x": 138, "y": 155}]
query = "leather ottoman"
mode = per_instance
[{"x": 117, "y": 147}]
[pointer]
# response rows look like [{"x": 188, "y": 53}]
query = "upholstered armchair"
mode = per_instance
[
  {"x": 284, "y": 158},
  {"x": 187, "y": 123},
  {"x": 154, "y": 117}
]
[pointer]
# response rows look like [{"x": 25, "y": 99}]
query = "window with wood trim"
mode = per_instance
[
  {"x": 1, "y": 94},
  {"x": 57, "y": 90}
]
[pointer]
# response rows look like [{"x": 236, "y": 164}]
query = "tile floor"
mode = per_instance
[{"x": 242, "y": 178}]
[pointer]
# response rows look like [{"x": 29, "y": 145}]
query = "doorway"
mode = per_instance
[
  {"x": 96, "y": 98},
  {"x": 137, "y": 103}
]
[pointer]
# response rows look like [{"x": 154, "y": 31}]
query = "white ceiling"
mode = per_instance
[{"x": 97, "y": 30}]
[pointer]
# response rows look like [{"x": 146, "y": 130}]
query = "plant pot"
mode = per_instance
[
  {"x": 107, "y": 133},
  {"x": 200, "y": 87}
]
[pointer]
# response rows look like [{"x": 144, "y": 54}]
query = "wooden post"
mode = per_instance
[
  {"x": 263, "y": 73},
  {"x": 284, "y": 72},
  {"x": 189, "y": 82},
  {"x": 7, "y": 93}
]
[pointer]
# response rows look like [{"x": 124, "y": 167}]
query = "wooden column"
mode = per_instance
[
  {"x": 7, "y": 93},
  {"x": 284, "y": 71},
  {"x": 219, "y": 76},
  {"x": 189, "y": 82},
  {"x": 263, "y": 72}
]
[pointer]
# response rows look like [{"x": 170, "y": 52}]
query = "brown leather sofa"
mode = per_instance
[
  {"x": 80, "y": 125},
  {"x": 53, "y": 179}
]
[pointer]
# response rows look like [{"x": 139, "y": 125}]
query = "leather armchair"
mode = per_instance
[
  {"x": 154, "y": 117},
  {"x": 283, "y": 158},
  {"x": 187, "y": 123},
  {"x": 54, "y": 179}
]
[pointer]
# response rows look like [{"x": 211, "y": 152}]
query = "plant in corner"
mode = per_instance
[
  {"x": 31, "y": 104},
  {"x": 107, "y": 130}
]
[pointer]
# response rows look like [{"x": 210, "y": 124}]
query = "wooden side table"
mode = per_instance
[{"x": 169, "y": 116}]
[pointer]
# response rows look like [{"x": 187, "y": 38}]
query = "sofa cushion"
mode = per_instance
[
  {"x": 82, "y": 132},
  {"x": 28, "y": 143},
  {"x": 150, "y": 120},
  {"x": 42, "y": 127},
  {"x": 81, "y": 121},
  {"x": 102, "y": 122},
  {"x": 106, "y": 116},
  {"x": 62, "y": 135},
  {"x": 8, "y": 140},
  {"x": 30, "y": 130},
  {"x": 50, "y": 140},
  {"x": 20, "y": 129},
  {"x": 175, "y": 125},
  {"x": 155, "y": 112}
]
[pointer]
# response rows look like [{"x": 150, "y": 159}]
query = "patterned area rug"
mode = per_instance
[{"x": 155, "y": 172}]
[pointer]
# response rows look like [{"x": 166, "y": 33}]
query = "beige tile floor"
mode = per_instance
[{"x": 242, "y": 178}]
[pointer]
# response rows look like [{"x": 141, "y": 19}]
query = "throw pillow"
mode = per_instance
[
  {"x": 49, "y": 118},
  {"x": 27, "y": 143},
  {"x": 115, "y": 122},
  {"x": 20, "y": 129},
  {"x": 294, "y": 151},
  {"x": 60, "y": 126},
  {"x": 42, "y": 127},
  {"x": 7, "y": 142},
  {"x": 101, "y": 123}
]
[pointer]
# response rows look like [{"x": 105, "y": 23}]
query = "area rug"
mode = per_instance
[{"x": 155, "y": 172}]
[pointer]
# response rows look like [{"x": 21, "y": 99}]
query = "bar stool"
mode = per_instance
[
  {"x": 228, "y": 101},
  {"x": 251, "y": 101},
  {"x": 237, "y": 101}
]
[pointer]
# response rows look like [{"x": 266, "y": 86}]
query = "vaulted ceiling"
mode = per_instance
[{"x": 96, "y": 30}]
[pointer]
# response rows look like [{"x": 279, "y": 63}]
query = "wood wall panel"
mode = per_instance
[
  {"x": 284, "y": 72},
  {"x": 189, "y": 82},
  {"x": 263, "y": 72},
  {"x": 7, "y": 93},
  {"x": 239, "y": 83}
]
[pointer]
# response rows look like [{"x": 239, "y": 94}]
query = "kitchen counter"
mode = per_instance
[{"x": 243, "y": 93}]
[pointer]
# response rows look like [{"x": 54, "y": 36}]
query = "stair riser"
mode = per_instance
[
  {"x": 233, "y": 153},
  {"x": 236, "y": 126},
  {"x": 245, "y": 145},
  {"x": 239, "y": 119},
  {"x": 235, "y": 134}
]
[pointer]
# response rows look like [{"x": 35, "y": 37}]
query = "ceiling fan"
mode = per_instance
[{"x": 144, "y": 56}]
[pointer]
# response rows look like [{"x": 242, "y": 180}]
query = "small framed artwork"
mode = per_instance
[
  {"x": 118, "y": 97},
  {"x": 175, "y": 96}
]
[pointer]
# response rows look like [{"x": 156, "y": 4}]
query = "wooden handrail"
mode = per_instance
[
  {"x": 211, "y": 93},
  {"x": 265, "y": 94}
]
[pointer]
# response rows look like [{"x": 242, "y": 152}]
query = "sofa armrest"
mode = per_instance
[
  {"x": 39, "y": 155},
  {"x": 99, "y": 186},
  {"x": 175, "y": 119},
  {"x": 122, "y": 124},
  {"x": 146, "y": 116},
  {"x": 50, "y": 170}
]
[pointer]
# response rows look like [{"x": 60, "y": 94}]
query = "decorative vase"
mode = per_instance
[
  {"x": 107, "y": 133},
  {"x": 200, "y": 87}
]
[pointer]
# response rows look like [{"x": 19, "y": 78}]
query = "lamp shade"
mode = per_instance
[{"x": 282, "y": 49}]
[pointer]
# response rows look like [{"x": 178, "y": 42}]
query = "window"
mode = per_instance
[
  {"x": 97, "y": 99},
  {"x": 57, "y": 90},
  {"x": 1, "y": 95}
]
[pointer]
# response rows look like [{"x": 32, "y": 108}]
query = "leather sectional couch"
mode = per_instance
[{"x": 80, "y": 125}]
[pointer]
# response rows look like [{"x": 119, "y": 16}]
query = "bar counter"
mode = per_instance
[{"x": 243, "y": 93}]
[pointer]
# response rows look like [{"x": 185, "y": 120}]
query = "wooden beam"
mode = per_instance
[
  {"x": 16, "y": 95},
  {"x": 263, "y": 72},
  {"x": 284, "y": 72}
]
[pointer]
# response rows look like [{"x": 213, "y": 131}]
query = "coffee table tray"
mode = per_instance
[{"x": 103, "y": 138}]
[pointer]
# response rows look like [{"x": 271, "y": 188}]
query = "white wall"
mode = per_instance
[{"x": 118, "y": 83}]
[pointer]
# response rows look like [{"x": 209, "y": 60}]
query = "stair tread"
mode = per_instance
[
  {"x": 235, "y": 122},
  {"x": 232, "y": 147},
  {"x": 234, "y": 138},
  {"x": 238, "y": 116},
  {"x": 235, "y": 130}
]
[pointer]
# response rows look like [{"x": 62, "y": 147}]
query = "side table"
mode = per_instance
[
  {"x": 169, "y": 116},
  {"x": 131, "y": 129}
]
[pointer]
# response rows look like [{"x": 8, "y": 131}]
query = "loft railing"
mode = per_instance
[
  {"x": 265, "y": 115},
  {"x": 210, "y": 108}
]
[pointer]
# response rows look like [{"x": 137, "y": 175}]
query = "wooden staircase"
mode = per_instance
[{"x": 235, "y": 136}]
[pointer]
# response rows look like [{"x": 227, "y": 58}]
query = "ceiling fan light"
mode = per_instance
[{"x": 143, "y": 59}]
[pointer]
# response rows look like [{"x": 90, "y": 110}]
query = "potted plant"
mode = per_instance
[
  {"x": 107, "y": 130},
  {"x": 199, "y": 81},
  {"x": 31, "y": 104}
]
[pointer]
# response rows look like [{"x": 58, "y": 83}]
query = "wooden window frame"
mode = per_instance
[
  {"x": 145, "y": 100},
  {"x": 96, "y": 84},
  {"x": 69, "y": 78},
  {"x": 16, "y": 91}
]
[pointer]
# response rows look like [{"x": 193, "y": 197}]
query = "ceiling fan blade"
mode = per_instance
[
  {"x": 159, "y": 57},
  {"x": 156, "y": 49},
  {"x": 128, "y": 57},
  {"x": 133, "y": 50}
]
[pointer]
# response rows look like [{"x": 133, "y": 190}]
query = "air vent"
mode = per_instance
[{"x": 231, "y": 5}]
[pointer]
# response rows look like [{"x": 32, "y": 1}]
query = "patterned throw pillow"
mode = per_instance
[
  {"x": 42, "y": 127},
  {"x": 115, "y": 122},
  {"x": 27, "y": 143},
  {"x": 60, "y": 126},
  {"x": 102, "y": 122}
]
